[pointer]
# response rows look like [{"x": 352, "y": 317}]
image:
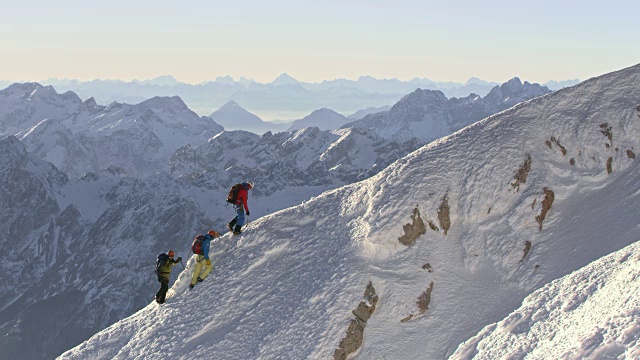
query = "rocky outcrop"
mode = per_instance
[
  {"x": 631, "y": 154},
  {"x": 605, "y": 129},
  {"x": 527, "y": 248},
  {"x": 521, "y": 175},
  {"x": 413, "y": 230},
  {"x": 423, "y": 303},
  {"x": 546, "y": 205},
  {"x": 443, "y": 214},
  {"x": 553, "y": 140},
  {"x": 355, "y": 332},
  {"x": 609, "y": 165}
]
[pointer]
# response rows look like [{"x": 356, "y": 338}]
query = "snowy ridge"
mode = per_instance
[
  {"x": 288, "y": 289},
  {"x": 591, "y": 313}
]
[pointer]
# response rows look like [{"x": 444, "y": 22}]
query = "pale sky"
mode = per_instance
[{"x": 198, "y": 40}]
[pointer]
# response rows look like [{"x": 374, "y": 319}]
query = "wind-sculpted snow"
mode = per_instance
[
  {"x": 589, "y": 314},
  {"x": 288, "y": 288}
]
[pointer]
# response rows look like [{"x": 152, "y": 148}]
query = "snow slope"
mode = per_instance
[
  {"x": 592, "y": 313},
  {"x": 288, "y": 288}
]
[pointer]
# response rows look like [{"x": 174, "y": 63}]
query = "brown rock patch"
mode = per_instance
[
  {"x": 414, "y": 230},
  {"x": 427, "y": 267},
  {"x": 572, "y": 161},
  {"x": 423, "y": 304},
  {"x": 546, "y": 205},
  {"x": 609, "y": 165},
  {"x": 432, "y": 225},
  {"x": 630, "y": 154},
  {"x": 443, "y": 214},
  {"x": 355, "y": 332},
  {"x": 605, "y": 129},
  {"x": 424, "y": 300},
  {"x": 521, "y": 175},
  {"x": 527, "y": 248}
]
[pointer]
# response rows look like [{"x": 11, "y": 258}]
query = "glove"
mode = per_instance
[
  {"x": 247, "y": 213},
  {"x": 179, "y": 259},
  {"x": 208, "y": 262}
]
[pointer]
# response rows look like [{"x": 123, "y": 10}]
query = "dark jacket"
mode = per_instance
[{"x": 165, "y": 271}]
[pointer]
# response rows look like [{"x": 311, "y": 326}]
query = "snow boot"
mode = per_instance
[
  {"x": 191, "y": 286},
  {"x": 200, "y": 280},
  {"x": 237, "y": 230},
  {"x": 232, "y": 224}
]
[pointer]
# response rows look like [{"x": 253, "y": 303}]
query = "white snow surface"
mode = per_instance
[
  {"x": 287, "y": 288},
  {"x": 593, "y": 313}
]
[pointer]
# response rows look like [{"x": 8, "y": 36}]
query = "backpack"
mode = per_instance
[
  {"x": 196, "y": 247},
  {"x": 233, "y": 193},
  {"x": 161, "y": 262}
]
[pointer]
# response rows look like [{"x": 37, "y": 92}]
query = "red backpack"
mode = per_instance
[
  {"x": 233, "y": 193},
  {"x": 196, "y": 247}
]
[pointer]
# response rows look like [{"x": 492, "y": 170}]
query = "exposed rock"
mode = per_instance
[
  {"x": 424, "y": 300},
  {"x": 443, "y": 214},
  {"x": 631, "y": 154},
  {"x": 414, "y": 230},
  {"x": 562, "y": 148},
  {"x": 432, "y": 225},
  {"x": 546, "y": 205},
  {"x": 427, "y": 267},
  {"x": 489, "y": 211},
  {"x": 557, "y": 142},
  {"x": 409, "y": 317},
  {"x": 355, "y": 332},
  {"x": 527, "y": 247},
  {"x": 533, "y": 204},
  {"x": 522, "y": 173},
  {"x": 423, "y": 304},
  {"x": 572, "y": 161},
  {"x": 606, "y": 131},
  {"x": 609, "y": 163}
]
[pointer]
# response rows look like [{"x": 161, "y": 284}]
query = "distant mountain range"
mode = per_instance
[{"x": 284, "y": 98}]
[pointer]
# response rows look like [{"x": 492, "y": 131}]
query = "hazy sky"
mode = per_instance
[{"x": 198, "y": 40}]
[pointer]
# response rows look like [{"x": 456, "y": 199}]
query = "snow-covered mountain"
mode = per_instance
[
  {"x": 105, "y": 149},
  {"x": 413, "y": 261},
  {"x": 591, "y": 313},
  {"x": 232, "y": 116},
  {"x": 428, "y": 114},
  {"x": 25, "y": 105},
  {"x": 138, "y": 138},
  {"x": 323, "y": 119},
  {"x": 79, "y": 252},
  {"x": 370, "y": 110}
]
